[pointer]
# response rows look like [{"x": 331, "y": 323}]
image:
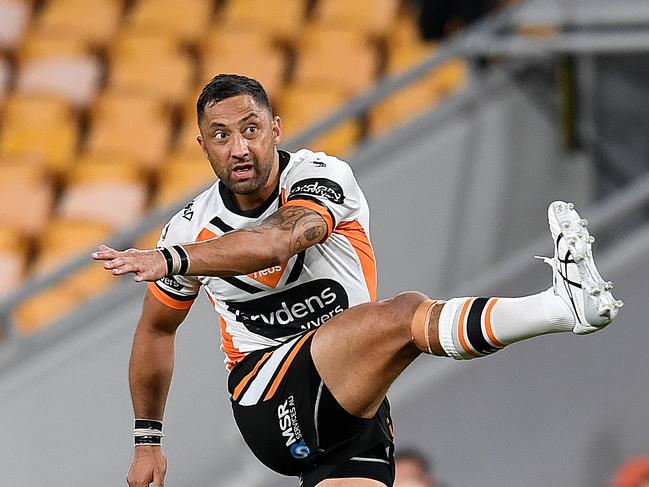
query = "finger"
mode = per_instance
[
  {"x": 158, "y": 478},
  {"x": 124, "y": 268},
  {"x": 105, "y": 253}
]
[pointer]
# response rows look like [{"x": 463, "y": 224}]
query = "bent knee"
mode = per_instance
[
  {"x": 406, "y": 302},
  {"x": 400, "y": 309}
]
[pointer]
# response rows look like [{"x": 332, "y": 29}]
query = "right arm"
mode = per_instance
[{"x": 150, "y": 371}]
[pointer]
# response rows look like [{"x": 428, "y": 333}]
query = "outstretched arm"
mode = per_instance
[{"x": 283, "y": 234}]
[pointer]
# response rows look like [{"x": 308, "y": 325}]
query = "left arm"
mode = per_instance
[{"x": 283, "y": 234}]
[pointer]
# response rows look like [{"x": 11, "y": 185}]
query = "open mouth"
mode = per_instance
[{"x": 243, "y": 171}]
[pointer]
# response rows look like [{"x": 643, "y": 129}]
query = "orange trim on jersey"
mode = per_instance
[
  {"x": 205, "y": 235},
  {"x": 321, "y": 210},
  {"x": 487, "y": 324},
  {"x": 233, "y": 354},
  {"x": 356, "y": 235},
  {"x": 283, "y": 196},
  {"x": 249, "y": 377},
  {"x": 285, "y": 366},
  {"x": 168, "y": 300},
  {"x": 460, "y": 328}
]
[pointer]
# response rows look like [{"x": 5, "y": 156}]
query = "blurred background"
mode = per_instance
[{"x": 462, "y": 120}]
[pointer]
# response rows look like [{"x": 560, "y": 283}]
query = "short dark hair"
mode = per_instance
[{"x": 224, "y": 86}]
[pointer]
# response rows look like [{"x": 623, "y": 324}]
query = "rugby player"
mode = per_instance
[{"x": 281, "y": 245}]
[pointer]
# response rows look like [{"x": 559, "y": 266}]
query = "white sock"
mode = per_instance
[{"x": 474, "y": 327}]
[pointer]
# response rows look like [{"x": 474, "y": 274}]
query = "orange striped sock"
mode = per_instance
[{"x": 473, "y": 327}]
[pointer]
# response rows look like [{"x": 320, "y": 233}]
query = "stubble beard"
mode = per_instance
[{"x": 251, "y": 185}]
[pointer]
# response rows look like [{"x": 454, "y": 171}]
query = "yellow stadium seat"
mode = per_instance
[
  {"x": 38, "y": 45},
  {"x": 375, "y": 19},
  {"x": 301, "y": 106},
  {"x": 91, "y": 24},
  {"x": 411, "y": 101},
  {"x": 134, "y": 126},
  {"x": 13, "y": 258},
  {"x": 181, "y": 175},
  {"x": 112, "y": 193},
  {"x": 183, "y": 20},
  {"x": 333, "y": 56},
  {"x": 247, "y": 52},
  {"x": 280, "y": 19},
  {"x": 167, "y": 78},
  {"x": 25, "y": 190},
  {"x": 62, "y": 239},
  {"x": 40, "y": 127},
  {"x": 42, "y": 309}
]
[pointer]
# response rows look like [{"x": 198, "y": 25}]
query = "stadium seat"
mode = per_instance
[
  {"x": 76, "y": 78},
  {"x": 53, "y": 303},
  {"x": 151, "y": 65},
  {"x": 39, "y": 46},
  {"x": 181, "y": 175},
  {"x": 245, "y": 51},
  {"x": 333, "y": 56},
  {"x": 133, "y": 126},
  {"x": 111, "y": 192},
  {"x": 279, "y": 19},
  {"x": 182, "y": 20},
  {"x": 92, "y": 24},
  {"x": 14, "y": 17},
  {"x": 41, "y": 128},
  {"x": 355, "y": 14},
  {"x": 301, "y": 106},
  {"x": 61, "y": 239},
  {"x": 42, "y": 309},
  {"x": 13, "y": 258},
  {"x": 25, "y": 189},
  {"x": 420, "y": 96}
]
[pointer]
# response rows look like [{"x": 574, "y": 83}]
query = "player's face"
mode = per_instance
[{"x": 239, "y": 138}]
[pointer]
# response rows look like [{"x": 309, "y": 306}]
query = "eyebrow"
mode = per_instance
[{"x": 244, "y": 119}]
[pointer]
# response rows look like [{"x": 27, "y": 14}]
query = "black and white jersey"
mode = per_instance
[{"x": 267, "y": 307}]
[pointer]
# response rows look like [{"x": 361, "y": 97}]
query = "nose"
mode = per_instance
[{"x": 239, "y": 148}]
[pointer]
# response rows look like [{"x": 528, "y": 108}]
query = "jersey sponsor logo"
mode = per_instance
[
  {"x": 188, "y": 211},
  {"x": 302, "y": 307},
  {"x": 169, "y": 281},
  {"x": 269, "y": 277},
  {"x": 319, "y": 187},
  {"x": 290, "y": 428},
  {"x": 318, "y": 163}
]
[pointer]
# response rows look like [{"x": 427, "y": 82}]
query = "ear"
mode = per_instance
[
  {"x": 277, "y": 130},
  {"x": 201, "y": 142}
]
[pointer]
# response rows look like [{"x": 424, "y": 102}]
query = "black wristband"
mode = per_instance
[
  {"x": 148, "y": 424},
  {"x": 184, "y": 259},
  {"x": 170, "y": 261},
  {"x": 148, "y": 440}
]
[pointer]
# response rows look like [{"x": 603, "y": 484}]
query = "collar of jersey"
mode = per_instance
[{"x": 228, "y": 198}]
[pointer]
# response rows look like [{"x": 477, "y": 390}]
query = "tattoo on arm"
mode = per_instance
[{"x": 305, "y": 227}]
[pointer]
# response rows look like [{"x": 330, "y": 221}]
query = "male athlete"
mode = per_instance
[{"x": 281, "y": 245}]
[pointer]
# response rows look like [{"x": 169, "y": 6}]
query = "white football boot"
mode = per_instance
[{"x": 575, "y": 277}]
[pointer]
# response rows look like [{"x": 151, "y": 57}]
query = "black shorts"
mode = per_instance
[{"x": 294, "y": 426}]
